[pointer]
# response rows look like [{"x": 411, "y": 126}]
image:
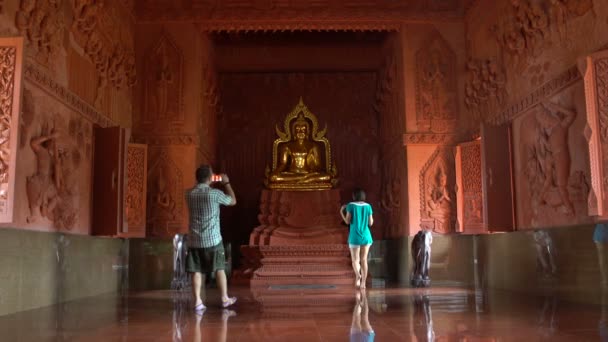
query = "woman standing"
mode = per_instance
[{"x": 359, "y": 216}]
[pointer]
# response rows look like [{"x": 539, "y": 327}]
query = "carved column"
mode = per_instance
[
  {"x": 135, "y": 199},
  {"x": 595, "y": 71},
  {"x": 11, "y": 63}
]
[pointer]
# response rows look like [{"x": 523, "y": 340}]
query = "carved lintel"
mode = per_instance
[
  {"x": 429, "y": 139},
  {"x": 596, "y": 130},
  {"x": 166, "y": 140},
  {"x": 546, "y": 90},
  {"x": 42, "y": 80}
]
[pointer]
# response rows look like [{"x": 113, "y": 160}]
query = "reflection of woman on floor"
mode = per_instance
[{"x": 360, "y": 329}]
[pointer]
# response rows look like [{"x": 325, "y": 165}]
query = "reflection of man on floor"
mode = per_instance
[
  {"x": 360, "y": 329},
  {"x": 545, "y": 252},
  {"x": 555, "y": 121}
]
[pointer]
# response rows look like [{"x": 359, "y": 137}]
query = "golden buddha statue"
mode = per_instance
[{"x": 301, "y": 158}]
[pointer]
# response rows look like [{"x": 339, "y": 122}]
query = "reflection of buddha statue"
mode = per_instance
[{"x": 301, "y": 155}]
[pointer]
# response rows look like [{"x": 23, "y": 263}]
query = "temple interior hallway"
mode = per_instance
[{"x": 288, "y": 314}]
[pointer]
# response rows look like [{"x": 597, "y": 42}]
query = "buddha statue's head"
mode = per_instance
[{"x": 300, "y": 128}]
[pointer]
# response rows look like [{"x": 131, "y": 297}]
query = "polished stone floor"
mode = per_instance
[{"x": 318, "y": 314}]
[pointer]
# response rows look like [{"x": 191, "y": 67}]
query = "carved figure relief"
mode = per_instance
[
  {"x": 557, "y": 190},
  {"x": 163, "y": 95},
  {"x": 390, "y": 201},
  {"x": 136, "y": 188},
  {"x": 52, "y": 190},
  {"x": 485, "y": 87},
  {"x": 437, "y": 189},
  {"x": 165, "y": 196},
  {"x": 436, "y": 93},
  {"x": 43, "y": 26}
]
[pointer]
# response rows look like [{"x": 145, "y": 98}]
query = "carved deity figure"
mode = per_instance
[
  {"x": 163, "y": 79},
  {"x": 41, "y": 186},
  {"x": 434, "y": 76},
  {"x": 164, "y": 201},
  {"x": 440, "y": 202},
  {"x": 555, "y": 121},
  {"x": 300, "y": 159},
  {"x": 421, "y": 256}
]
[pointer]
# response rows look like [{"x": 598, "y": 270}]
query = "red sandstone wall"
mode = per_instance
[
  {"x": 79, "y": 71},
  {"x": 174, "y": 115},
  {"x": 253, "y": 103}
]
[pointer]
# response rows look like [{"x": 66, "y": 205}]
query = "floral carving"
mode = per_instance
[
  {"x": 136, "y": 187},
  {"x": 436, "y": 100},
  {"x": 601, "y": 71},
  {"x": 8, "y": 55},
  {"x": 471, "y": 183}
]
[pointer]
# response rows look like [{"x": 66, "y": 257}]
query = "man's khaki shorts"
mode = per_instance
[{"x": 206, "y": 260}]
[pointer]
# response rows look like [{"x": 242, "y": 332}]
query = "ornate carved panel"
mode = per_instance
[
  {"x": 165, "y": 197},
  {"x": 437, "y": 192},
  {"x": 11, "y": 64},
  {"x": 436, "y": 88},
  {"x": 470, "y": 192},
  {"x": 135, "y": 199},
  {"x": 596, "y": 131},
  {"x": 163, "y": 83}
]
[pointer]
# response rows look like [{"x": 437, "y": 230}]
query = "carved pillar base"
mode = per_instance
[
  {"x": 304, "y": 265},
  {"x": 300, "y": 241}
]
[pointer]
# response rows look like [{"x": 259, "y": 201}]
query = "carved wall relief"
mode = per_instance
[
  {"x": 165, "y": 197},
  {"x": 135, "y": 202},
  {"x": 552, "y": 172},
  {"x": 529, "y": 26},
  {"x": 485, "y": 87},
  {"x": 53, "y": 188},
  {"x": 11, "y": 64},
  {"x": 436, "y": 88},
  {"x": 94, "y": 29},
  {"x": 437, "y": 191},
  {"x": 43, "y": 25},
  {"x": 163, "y": 88}
]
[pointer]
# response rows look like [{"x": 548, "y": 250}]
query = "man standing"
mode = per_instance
[{"x": 205, "y": 246}]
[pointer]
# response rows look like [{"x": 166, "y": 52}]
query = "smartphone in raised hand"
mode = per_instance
[{"x": 216, "y": 178}]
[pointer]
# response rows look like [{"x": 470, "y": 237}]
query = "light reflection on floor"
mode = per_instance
[{"x": 394, "y": 314}]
